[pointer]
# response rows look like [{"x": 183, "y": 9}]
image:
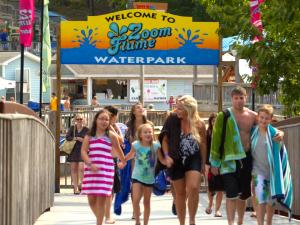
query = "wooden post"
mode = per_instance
[
  {"x": 195, "y": 78},
  {"x": 220, "y": 101},
  {"x": 237, "y": 70},
  {"x": 57, "y": 133},
  {"x": 89, "y": 90},
  {"x": 22, "y": 74},
  {"x": 41, "y": 58},
  {"x": 215, "y": 75},
  {"x": 142, "y": 71}
]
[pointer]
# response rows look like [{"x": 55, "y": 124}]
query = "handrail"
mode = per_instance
[
  {"x": 16, "y": 116},
  {"x": 27, "y": 159}
]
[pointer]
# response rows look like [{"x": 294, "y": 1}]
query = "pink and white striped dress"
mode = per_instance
[{"x": 100, "y": 182}]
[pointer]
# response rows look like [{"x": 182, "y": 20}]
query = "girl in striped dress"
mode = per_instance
[{"x": 97, "y": 151}]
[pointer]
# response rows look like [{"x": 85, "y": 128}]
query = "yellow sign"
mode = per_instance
[{"x": 139, "y": 37}]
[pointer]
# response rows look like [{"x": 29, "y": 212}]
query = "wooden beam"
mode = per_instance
[
  {"x": 142, "y": 73},
  {"x": 195, "y": 78},
  {"x": 220, "y": 102},
  {"x": 57, "y": 133}
]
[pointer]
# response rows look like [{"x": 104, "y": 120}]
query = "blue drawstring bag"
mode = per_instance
[{"x": 160, "y": 184}]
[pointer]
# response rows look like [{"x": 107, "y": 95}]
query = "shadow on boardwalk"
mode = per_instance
[{"x": 74, "y": 210}]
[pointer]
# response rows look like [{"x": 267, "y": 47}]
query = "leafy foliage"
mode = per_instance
[
  {"x": 178, "y": 7},
  {"x": 277, "y": 55}
]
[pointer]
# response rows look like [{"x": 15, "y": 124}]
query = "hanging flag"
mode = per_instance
[
  {"x": 26, "y": 19},
  {"x": 256, "y": 17},
  {"x": 46, "y": 63}
]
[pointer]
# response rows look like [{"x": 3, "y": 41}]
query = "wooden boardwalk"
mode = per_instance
[{"x": 74, "y": 210}]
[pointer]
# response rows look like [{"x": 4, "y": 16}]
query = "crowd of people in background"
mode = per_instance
[{"x": 185, "y": 149}]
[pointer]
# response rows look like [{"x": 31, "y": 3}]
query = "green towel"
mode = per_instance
[{"x": 233, "y": 147}]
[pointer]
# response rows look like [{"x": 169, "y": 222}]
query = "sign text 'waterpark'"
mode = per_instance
[{"x": 139, "y": 37}]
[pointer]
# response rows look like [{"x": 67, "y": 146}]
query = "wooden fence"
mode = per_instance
[
  {"x": 67, "y": 118},
  {"x": 291, "y": 129},
  {"x": 26, "y": 169},
  {"x": 207, "y": 93}
]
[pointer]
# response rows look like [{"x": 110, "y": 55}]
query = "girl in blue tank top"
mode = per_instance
[{"x": 145, "y": 151}]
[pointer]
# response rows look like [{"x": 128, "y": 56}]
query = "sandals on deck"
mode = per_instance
[{"x": 208, "y": 211}]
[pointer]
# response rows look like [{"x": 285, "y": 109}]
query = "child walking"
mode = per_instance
[
  {"x": 270, "y": 167},
  {"x": 211, "y": 189},
  {"x": 97, "y": 152},
  {"x": 116, "y": 186},
  {"x": 145, "y": 150}
]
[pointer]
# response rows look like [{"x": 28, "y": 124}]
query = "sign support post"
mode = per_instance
[
  {"x": 195, "y": 78},
  {"x": 22, "y": 74},
  {"x": 57, "y": 115},
  {"x": 142, "y": 71},
  {"x": 220, "y": 83}
]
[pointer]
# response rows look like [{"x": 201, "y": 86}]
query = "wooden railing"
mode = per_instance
[
  {"x": 291, "y": 129},
  {"x": 207, "y": 93},
  {"x": 67, "y": 118},
  {"x": 26, "y": 169}
]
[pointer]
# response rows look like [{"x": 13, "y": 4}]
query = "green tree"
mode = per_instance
[
  {"x": 177, "y": 7},
  {"x": 277, "y": 55}
]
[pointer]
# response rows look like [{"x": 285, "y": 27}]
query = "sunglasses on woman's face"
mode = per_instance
[{"x": 79, "y": 119}]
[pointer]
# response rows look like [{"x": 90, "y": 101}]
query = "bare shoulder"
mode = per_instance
[
  {"x": 249, "y": 117},
  {"x": 251, "y": 113},
  {"x": 201, "y": 126},
  {"x": 201, "y": 123}
]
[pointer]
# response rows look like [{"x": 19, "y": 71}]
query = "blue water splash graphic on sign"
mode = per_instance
[{"x": 87, "y": 38}]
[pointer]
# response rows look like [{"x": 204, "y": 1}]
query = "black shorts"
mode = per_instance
[
  {"x": 142, "y": 183},
  {"x": 117, "y": 182},
  {"x": 238, "y": 184},
  {"x": 178, "y": 170}
]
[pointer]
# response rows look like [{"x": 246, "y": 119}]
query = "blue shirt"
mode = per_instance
[{"x": 145, "y": 161}]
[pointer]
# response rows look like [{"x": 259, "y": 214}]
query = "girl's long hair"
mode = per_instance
[
  {"x": 190, "y": 105},
  {"x": 210, "y": 124},
  {"x": 210, "y": 119},
  {"x": 132, "y": 119},
  {"x": 139, "y": 133},
  {"x": 93, "y": 129}
]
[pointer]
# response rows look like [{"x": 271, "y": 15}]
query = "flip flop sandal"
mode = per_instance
[
  {"x": 218, "y": 214},
  {"x": 112, "y": 221},
  {"x": 208, "y": 211}
]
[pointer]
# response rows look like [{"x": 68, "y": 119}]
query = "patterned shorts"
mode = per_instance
[{"x": 262, "y": 189}]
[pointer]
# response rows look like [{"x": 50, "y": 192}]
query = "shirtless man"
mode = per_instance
[{"x": 237, "y": 176}]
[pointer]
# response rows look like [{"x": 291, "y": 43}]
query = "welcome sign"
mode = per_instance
[{"x": 139, "y": 37}]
